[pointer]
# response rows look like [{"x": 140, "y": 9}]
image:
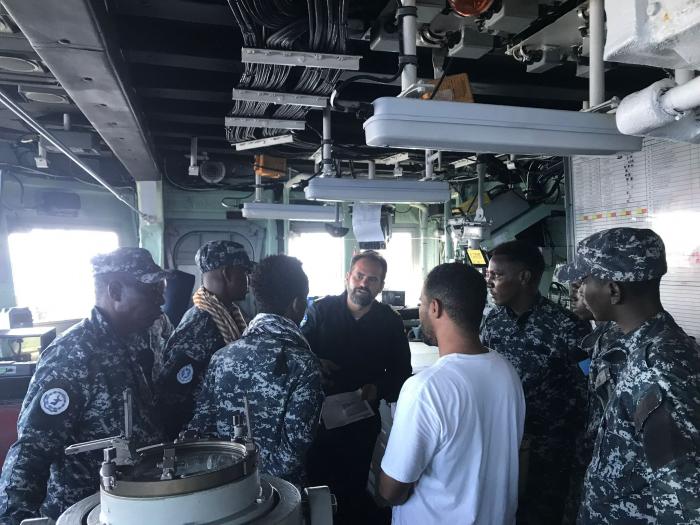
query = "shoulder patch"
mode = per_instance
[
  {"x": 54, "y": 401},
  {"x": 185, "y": 374}
]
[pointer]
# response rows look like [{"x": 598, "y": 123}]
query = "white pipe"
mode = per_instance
[
  {"x": 258, "y": 188},
  {"x": 684, "y": 76},
  {"x": 371, "y": 169},
  {"x": 193, "y": 152},
  {"x": 481, "y": 174},
  {"x": 683, "y": 97},
  {"x": 596, "y": 65},
  {"x": 428, "y": 164},
  {"x": 41, "y": 149},
  {"x": 409, "y": 75},
  {"x": 326, "y": 147},
  {"x": 449, "y": 247},
  {"x": 66, "y": 122}
]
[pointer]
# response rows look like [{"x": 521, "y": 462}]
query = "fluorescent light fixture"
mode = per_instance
[
  {"x": 292, "y": 212},
  {"x": 376, "y": 190},
  {"x": 486, "y": 128}
]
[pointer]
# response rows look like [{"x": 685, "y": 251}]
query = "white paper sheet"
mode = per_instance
[
  {"x": 366, "y": 222},
  {"x": 342, "y": 409}
]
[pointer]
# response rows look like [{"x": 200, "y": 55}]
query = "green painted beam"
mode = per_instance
[{"x": 152, "y": 232}]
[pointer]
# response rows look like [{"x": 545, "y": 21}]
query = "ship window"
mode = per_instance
[
  {"x": 51, "y": 270},
  {"x": 402, "y": 274},
  {"x": 322, "y": 259}
]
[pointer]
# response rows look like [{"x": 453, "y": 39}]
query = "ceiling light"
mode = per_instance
[
  {"x": 376, "y": 191},
  {"x": 46, "y": 97},
  {"x": 19, "y": 65},
  {"x": 292, "y": 212},
  {"x": 488, "y": 128},
  {"x": 470, "y": 7}
]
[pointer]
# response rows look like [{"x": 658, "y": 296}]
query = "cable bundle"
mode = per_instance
[{"x": 317, "y": 25}]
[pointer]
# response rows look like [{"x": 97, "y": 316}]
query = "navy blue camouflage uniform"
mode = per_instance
[
  {"x": 271, "y": 365},
  {"x": 542, "y": 345},
  {"x": 608, "y": 356},
  {"x": 193, "y": 343},
  {"x": 646, "y": 460},
  {"x": 76, "y": 395}
]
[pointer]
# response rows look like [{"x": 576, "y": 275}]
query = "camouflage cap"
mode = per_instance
[
  {"x": 134, "y": 261},
  {"x": 216, "y": 254},
  {"x": 618, "y": 254}
]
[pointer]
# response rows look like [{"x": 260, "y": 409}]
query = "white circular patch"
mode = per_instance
[
  {"x": 54, "y": 401},
  {"x": 185, "y": 374}
]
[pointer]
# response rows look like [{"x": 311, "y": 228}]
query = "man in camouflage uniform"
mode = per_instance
[
  {"x": 646, "y": 460},
  {"x": 213, "y": 322},
  {"x": 76, "y": 394},
  {"x": 540, "y": 339},
  {"x": 605, "y": 358},
  {"x": 155, "y": 339},
  {"x": 272, "y": 366}
]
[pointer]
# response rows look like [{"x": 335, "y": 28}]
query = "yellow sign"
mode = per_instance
[{"x": 476, "y": 257}]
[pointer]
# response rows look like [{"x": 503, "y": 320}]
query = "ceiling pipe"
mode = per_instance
[
  {"x": 596, "y": 72},
  {"x": 327, "y": 145},
  {"x": 409, "y": 73}
]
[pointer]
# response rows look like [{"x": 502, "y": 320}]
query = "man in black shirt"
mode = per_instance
[{"x": 362, "y": 345}]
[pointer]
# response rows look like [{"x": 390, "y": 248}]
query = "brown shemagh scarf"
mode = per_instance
[{"x": 229, "y": 321}]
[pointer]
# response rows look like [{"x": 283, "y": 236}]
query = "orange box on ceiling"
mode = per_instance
[{"x": 271, "y": 167}]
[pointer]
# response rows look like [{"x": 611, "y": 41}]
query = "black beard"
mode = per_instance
[
  {"x": 428, "y": 338},
  {"x": 361, "y": 299}
]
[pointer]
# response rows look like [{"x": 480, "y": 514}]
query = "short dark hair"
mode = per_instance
[
  {"x": 461, "y": 290},
  {"x": 372, "y": 256},
  {"x": 276, "y": 281},
  {"x": 523, "y": 253}
]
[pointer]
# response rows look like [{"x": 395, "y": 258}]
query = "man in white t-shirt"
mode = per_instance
[{"x": 452, "y": 455}]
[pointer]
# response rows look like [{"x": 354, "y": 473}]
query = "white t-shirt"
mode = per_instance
[{"x": 456, "y": 433}]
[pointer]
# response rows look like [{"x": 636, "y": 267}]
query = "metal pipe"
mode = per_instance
[
  {"x": 569, "y": 211},
  {"x": 683, "y": 97},
  {"x": 41, "y": 150},
  {"x": 428, "y": 164},
  {"x": 684, "y": 76},
  {"x": 596, "y": 67},
  {"x": 326, "y": 146},
  {"x": 409, "y": 74},
  {"x": 193, "y": 152},
  {"x": 605, "y": 106},
  {"x": 449, "y": 247},
  {"x": 258, "y": 187},
  {"x": 38, "y": 128},
  {"x": 481, "y": 176},
  {"x": 66, "y": 122},
  {"x": 371, "y": 169}
]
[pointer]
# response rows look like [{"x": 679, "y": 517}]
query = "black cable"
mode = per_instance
[{"x": 445, "y": 65}]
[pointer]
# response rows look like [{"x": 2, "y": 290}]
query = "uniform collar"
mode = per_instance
[
  {"x": 276, "y": 326},
  {"x": 633, "y": 338},
  {"x": 105, "y": 332}
]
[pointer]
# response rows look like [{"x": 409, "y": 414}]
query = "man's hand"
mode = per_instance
[
  {"x": 370, "y": 392},
  {"x": 328, "y": 368}
]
